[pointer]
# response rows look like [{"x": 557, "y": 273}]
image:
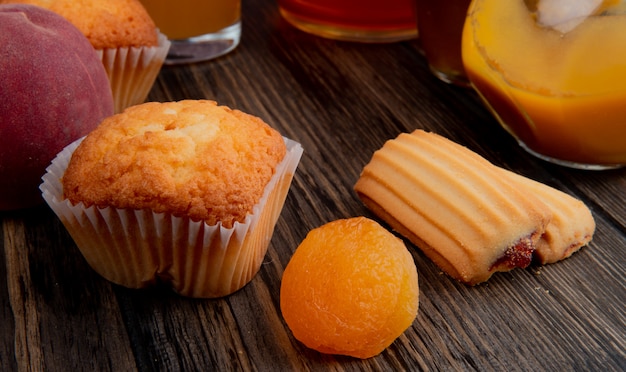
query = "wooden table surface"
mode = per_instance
[{"x": 341, "y": 101}]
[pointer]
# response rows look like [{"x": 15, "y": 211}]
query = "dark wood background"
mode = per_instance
[{"x": 341, "y": 101}]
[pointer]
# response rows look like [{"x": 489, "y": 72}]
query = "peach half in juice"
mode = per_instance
[{"x": 555, "y": 80}]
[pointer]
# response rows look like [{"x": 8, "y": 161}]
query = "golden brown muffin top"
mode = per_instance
[
  {"x": 189, "y": 158},
  {"x": 106, "y": 23}
]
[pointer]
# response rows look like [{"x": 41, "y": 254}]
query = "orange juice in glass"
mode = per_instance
[
  {"x": 553, "y": 72},
  {"x": 199, "y": 29},
  {"x": 353, "y": 20}
]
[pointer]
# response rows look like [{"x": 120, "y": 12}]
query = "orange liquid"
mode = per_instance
[
  {"x": 440, "y": 25},
  {"x": 562, "y": 94},
  {"x": 366, "y": 20},
  {"x": 188, "y": 18}
]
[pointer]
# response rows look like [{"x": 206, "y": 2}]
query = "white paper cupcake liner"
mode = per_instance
[
  {"x": 137, "y": 248},
  {"x": 133, "y": 70}
]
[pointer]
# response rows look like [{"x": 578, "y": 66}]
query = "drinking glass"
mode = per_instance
[
  {"x": 440, "y": 26},
  {"x": 353, "y": 20},
  {"x": 199, "y": 30}
]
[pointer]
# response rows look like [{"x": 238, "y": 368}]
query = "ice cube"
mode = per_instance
[{"x": 565, "y": 15}]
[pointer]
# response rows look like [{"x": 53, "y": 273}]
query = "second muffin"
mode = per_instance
[
  {"x": 185, "y": 192},
  {"x": 126, "y": 39}
]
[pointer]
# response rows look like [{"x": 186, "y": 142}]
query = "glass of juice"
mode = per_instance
[
  {"x": 553, "y": 72},
  {"x": 440, "y": 26},
  {"x": 371, "y": 21},
  {"x": 199, "y": 30}
]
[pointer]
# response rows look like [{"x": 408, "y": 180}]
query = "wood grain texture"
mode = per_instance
[{"x": 341, "y": 101}]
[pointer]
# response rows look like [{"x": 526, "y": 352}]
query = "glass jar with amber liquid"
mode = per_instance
[{"x": 553, "y": 72}]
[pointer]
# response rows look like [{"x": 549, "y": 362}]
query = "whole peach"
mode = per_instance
[{"x": 53, "y": 90}]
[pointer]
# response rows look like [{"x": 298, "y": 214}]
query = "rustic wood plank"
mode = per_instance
[
  {"x": 64, "y": 315},
  {"x": 7, "y": 320}
]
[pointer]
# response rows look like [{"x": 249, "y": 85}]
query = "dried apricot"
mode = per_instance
[{"x": 350, "y": 288}]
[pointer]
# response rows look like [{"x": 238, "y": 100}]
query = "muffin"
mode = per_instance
[
  {"x": 184, "y": 193},
  {"x": 131, "y": 47}
]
